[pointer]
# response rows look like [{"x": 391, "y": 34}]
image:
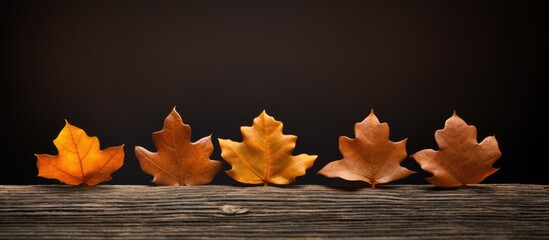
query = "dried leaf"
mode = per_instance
[
  {"x": 80, "y": 160},
  {"x": 265, "y": 154},
  {"x": 371, "y": 156},
  {"x": 461, "y": 160},
  {"x": 178, "y": 161}
]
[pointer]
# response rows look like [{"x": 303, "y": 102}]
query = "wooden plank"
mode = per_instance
[{"x": 297, "y": 211}]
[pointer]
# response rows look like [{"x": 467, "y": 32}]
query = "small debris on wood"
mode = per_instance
[{"x": 233, "y": 209}]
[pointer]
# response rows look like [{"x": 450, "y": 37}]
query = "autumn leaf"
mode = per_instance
[
  {"x": 461, "y": 160},
  {"x": 178, "y": 161},
  {"x": 80, "y": 160},
  {"x": 370, "y": 157},
  {"x": 265, "y": 154}
]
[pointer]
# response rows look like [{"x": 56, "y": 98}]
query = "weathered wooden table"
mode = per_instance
[{"x": 392, "y": 211}]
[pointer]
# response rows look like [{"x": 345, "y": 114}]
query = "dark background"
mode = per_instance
[{"x": 117, "y": 68}]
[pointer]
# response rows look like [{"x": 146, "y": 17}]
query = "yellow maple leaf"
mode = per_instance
[{"x": 265, "y": 154}]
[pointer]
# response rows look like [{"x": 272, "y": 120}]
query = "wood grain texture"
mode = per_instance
[{"x": 393, "y": 211}]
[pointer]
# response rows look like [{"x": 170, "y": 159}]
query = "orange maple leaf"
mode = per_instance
[
  {"x": 461, "y": 160},
  {"x": 80, "y": 160},
  {"x": 370, "y": 157},
  {"x": 265, "y": 154},
  {"x": 178, "y": 161}
]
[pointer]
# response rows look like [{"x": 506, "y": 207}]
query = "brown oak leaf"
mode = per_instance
[
  {"x": 178, "y": 161},
  {"x": 370, "y": 157},
  {"x": 80, "y": 160},
  {"x": 461, "y": 160},
  {"x": 265, "y": 154}
]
